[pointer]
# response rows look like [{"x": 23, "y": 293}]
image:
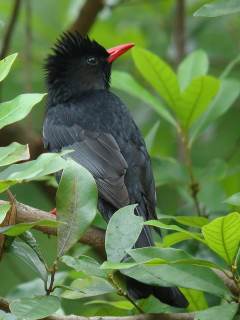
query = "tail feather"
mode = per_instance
[{"x": 168, "y": 295}]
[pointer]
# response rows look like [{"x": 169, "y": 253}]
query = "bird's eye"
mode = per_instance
[{"x": 92, "y": 61}]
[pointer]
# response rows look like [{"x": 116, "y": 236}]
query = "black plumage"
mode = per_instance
[{"x": 83, "y": 115}]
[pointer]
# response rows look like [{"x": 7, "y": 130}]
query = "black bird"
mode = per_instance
[{"x": 84, "y": 115}]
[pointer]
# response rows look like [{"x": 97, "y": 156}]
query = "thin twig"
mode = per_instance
[
  {"x": 180, "y": 30},
  {"x": 123, "y": 293},
  {"x": 194, "y": 185},
  {"x": 50, "y": 289}
]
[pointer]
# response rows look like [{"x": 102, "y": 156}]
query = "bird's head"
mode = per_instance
[{"x": 78, "y": 64}]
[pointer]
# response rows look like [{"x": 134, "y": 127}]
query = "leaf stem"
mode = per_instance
[
  {"x": 52, "y": 278},
  {"x": 194, "y": 185},
  {"x": 123, "y": 293}
]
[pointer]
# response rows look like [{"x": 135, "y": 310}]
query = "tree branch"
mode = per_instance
[
  {"x": 87, "y": 16},
  {"x": 179, "y": 32}
]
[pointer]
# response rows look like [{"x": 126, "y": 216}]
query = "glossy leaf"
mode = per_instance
[
  {"x": 34, "y": 308},
  {"x": 178, "y": 274},
  {"x": 196, "y": 98},
  {"x": 118, "y": 238},
  {"x": 193, "y": 66},
  {"x": 159, "y": 74},
  {"x": 196, "y": 299},
  {"x": 222, "y": 236},
  {"x": 4, "y": 208},
  {"x": 29, "y": 257},
  {"x": 6, "y": 64},
  {"x": 223, "y": 312},
  {"x": 86, "y": 264},
  {"x": 228, "y": 93},
  {"x": 45, "y": 164},
  {"x": 88, "y": 287},
  {"x": 125, "y": 82},
  {"x": 13, "y": 153},
  {"x": 18, "y": 108},
  {"x": 76, "y": 205},
  {"x": 218, "y": 8}
]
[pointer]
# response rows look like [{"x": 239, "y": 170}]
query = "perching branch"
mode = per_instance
[{"x": 93, "y": 237}]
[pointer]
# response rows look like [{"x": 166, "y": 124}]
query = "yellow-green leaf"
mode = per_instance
[
  {"x": 196, "y": 98},
  {"x": 223, "y": 236},
  {"x": 159, "y": 74},
  {"x": 6, "y": 64}
]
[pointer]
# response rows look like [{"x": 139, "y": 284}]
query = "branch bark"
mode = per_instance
[
  {"x": 93, "y": 237},
  {"x": 179, "y": 32}
]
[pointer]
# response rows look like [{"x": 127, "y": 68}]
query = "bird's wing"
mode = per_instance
[{"x": 97, "y": 152}]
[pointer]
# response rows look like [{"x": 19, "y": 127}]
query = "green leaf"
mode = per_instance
[
  {"x": 45, "y": 164},
  {"x": 193, "y": 66},
  {"x": 19, "y": 228},
  {"x": 88, "y": 287},
  {"x": 225, "y": 311},
  {"x": 168, "y": 171},
  {"x": 34, "y": 308},
  {"x": 118, "y": 239},
  {"x": 7, "y": 316},
  {"x": 196, "y": 299},
  {"x": 234, "y": 200},
  {"x": 76, "y": 205},
  {"x": 219, "y": 8},
  {"x": 125, "y": 82},
  {"x": 225, "y": 98},
  {"x": 181, "y": 275},
  {"x": 120, "y": 304},
  {"x": 174, "y": 238},
  {"x": 196, "y": 99},
  {"x": 158, "y": 224},
  {"x": 4, "y": 208},
  {"x": 222, "y": 236},
  {"x": 189, "y": 221},
  {"x": 13, "y": 153},
  {"x": 159, "y": 74},
  {"x": 28, "y": 256},
  {"x": 6, "y": 64},
  {"x": 18, "y": 108},
  {"x": 86, "y": 264},
  {"x": 151, "y": 136}
]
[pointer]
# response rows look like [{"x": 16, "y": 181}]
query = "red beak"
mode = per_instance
[{"x": 116, "y": 52}]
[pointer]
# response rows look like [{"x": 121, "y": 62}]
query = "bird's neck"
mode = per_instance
[{"x": 60, "y": 92}]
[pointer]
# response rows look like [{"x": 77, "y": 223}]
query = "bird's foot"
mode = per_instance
[{"x": 54, "y": 211}]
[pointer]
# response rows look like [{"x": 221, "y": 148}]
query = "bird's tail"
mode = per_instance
[
  {"x": 139, "y": 290},
  {"x": 169, "y": 295}
]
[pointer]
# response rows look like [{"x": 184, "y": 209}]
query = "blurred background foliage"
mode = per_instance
[{"x": 169, "y": 29}]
